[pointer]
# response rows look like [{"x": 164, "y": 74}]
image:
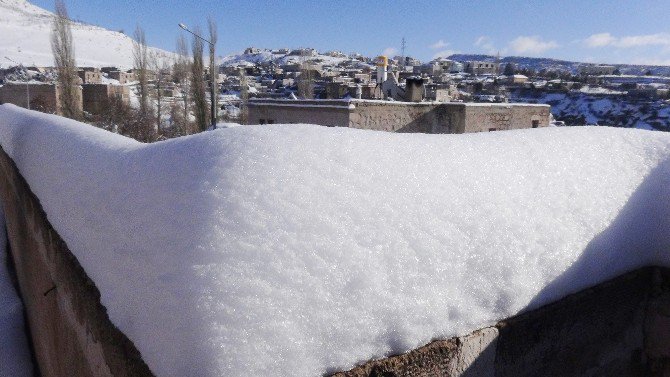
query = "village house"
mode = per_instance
[
  {"x": 482, "y": 68},
  {"x": 90, "y": 75}
]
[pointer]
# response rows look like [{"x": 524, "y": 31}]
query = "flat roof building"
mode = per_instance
[{"x": 391, "y": 116}]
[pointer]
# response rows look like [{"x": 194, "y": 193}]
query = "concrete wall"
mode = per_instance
[
  {"x": 70, "y": 330},
  {"x": 327, "y": 113},
  {"x": 404, "y": 117},
  {"x": 487, "y": 117},
  {"x": 618, "y": 328},
  {"x": 42, "y": 97},
  {"x": 422, "y": 117}
]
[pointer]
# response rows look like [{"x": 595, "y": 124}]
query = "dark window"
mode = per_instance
[
  {"x": 270, "y": 121},
  {"x": 492, "y": 129},
  {"x": 261, "y": 121},
  {"x": 536, "y": 123}
]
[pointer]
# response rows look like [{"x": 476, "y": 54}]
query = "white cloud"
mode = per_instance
[
  {"x": 607, "y": 39},
  {"x": 438, "y": 45},
  {"x": 390, "y": 51},
  {"x": 444, "y": 53},
  {"x": 600, "y": 40},
  {"x": 485, "y": 43},
  {"x": 531, "y": 45},
  {"x": 660, "y": 39}
]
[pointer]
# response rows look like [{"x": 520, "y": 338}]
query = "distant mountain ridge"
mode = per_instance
[{"x": 561, "y": 65}]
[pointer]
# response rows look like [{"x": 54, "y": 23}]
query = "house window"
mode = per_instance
[
  {"x": 536, "y": 123},
  {"x": 493, "y": 129},
  {"x": 261, "y": 121}
]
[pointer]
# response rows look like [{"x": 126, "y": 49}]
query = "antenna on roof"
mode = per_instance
[
  {"x": 402, "y": 52},
  {"x": 498, "y": 63}
]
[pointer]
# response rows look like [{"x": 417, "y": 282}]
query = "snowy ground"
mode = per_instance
[
  {"x": 14, "y": 354},
  {"x": 25, "y": 32},
  {"x": 297, "y": 250}
]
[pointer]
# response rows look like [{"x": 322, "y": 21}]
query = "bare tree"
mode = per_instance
[
  {"x": 244, "y": 96},
  {"x": 198, "y": 84},
  {"x": 63, "y": 51},
  {"x": 141, "y": 62},
  {"x": 159, "y": 65},
  {"x": 181, "y": 73},
  {"x": 213, "y": 71}
]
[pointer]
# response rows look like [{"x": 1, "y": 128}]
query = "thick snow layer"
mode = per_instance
[
  {"x": 298, "y": 250},
  {"x": 25, "y": 37},
  {"x": 14, "y": 354}
]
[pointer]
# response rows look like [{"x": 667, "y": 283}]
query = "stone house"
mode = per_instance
[
  {"x": 122, "y": 77},
  {"x": 597, "y": 70},
  {"x": 481, "y": 68},
  {"x": 89, "y": 75}
]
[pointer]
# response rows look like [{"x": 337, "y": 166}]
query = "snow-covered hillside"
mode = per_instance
[
  {"x": 581, "y": 108},
  {"x": 296, "y": 250},
  {"x": 539, "y": 64},
  {"x": 283, "y": 56},
  {"x": 25, "y": 32}
]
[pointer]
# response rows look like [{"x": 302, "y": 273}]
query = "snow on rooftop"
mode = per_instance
[{"x": 300, "y": 250}]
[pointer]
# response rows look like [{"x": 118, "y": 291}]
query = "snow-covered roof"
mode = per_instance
[{"x": 297, "y": 249}]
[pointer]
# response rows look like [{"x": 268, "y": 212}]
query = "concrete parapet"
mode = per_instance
[
  {"x": 618, "y": 328},
  {"x": 70, "y": 329}
]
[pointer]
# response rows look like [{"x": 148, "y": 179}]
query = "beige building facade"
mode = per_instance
[{"x": 420, "y": 117}]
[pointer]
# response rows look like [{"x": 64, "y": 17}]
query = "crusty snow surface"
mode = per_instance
[
  {"x": 300, "y": 250},
  {"x": 25, "y": 37},
  {"x": 14, "y": 353}
]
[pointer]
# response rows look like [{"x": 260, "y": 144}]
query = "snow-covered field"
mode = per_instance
[
  {"x": 297, "y": 249},
  {"x": 25, "y": 32},
  {"x": 14, "y": 354}
]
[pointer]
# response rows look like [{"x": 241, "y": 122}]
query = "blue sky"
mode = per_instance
[{"x": 593, "y": 31}]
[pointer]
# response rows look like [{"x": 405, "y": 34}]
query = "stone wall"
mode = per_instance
[
  {"x": 618, "y": 328},
  {"x": 70, "y": 330}
]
